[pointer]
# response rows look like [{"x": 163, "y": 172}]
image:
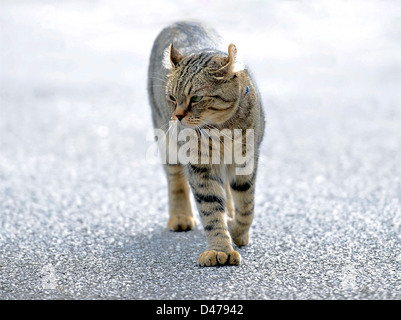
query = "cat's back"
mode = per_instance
[{"x": 187, "y": 37}]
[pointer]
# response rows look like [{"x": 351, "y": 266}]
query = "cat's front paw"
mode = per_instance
[
  {"x": 211, "y": 258},
  {"x": 239, "y": 237},
  {"x": 241, "y": 240},
  {"x": 181, "y": 223}
]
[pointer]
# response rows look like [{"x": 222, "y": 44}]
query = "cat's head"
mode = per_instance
[{"x": 203, "y": 88}]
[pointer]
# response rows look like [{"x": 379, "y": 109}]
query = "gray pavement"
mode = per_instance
[{"x": 83, "y": 214}]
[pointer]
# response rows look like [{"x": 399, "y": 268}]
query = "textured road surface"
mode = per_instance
[{"x": 82, "y": 211}]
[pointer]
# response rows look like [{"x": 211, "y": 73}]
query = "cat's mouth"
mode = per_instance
[{"x": 186, "y": 123}]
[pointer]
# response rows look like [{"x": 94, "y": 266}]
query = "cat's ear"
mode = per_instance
[
  {"x": 234, "y": 63},
  {"x": 175, "y": 56},
  {"x": 232, "y": 55},
  {"x": 230, "y": 64}
]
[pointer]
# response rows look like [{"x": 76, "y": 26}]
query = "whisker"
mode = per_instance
[
  {"x": 232, "y": 139},
  {"x": 211, "y": 138},
  {"x": 163, "y": 80},
  {"x": 171, "y": 127},
  {"x": 164, "y": 126},
  {"x": 160, "y": 74}
]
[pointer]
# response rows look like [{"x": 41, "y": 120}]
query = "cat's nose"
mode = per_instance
[{"x": 180, "y": 113}]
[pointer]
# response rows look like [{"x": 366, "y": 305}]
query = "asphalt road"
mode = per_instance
[{"x": 83, "y": 213}]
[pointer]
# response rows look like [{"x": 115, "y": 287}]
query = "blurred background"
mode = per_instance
[
  {"x": 74, "y": 117},
  {"x": 73, "y": 73}
]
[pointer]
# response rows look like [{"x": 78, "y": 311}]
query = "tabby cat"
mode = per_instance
[{"x": 194, "y": 83}]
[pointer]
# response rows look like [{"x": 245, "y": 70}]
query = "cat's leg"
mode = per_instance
[
  {"x": 180, "y": 209},
  {"x": 229, "y": 202},
  {"x": 208, "y": 189},
  {"x": 243, "y": 193}
]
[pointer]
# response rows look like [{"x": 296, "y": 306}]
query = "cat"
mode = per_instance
[{"x": 194, "y": 83}]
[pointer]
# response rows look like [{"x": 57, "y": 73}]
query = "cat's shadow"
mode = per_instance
[{"x": 159, "y": 246}]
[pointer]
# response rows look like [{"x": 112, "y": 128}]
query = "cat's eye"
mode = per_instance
[
  {"x": 196, "y": 98},
  {"x": 172, "y": 98}
]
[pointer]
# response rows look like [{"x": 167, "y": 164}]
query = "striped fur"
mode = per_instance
[{"x": 188, "y": 61}]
